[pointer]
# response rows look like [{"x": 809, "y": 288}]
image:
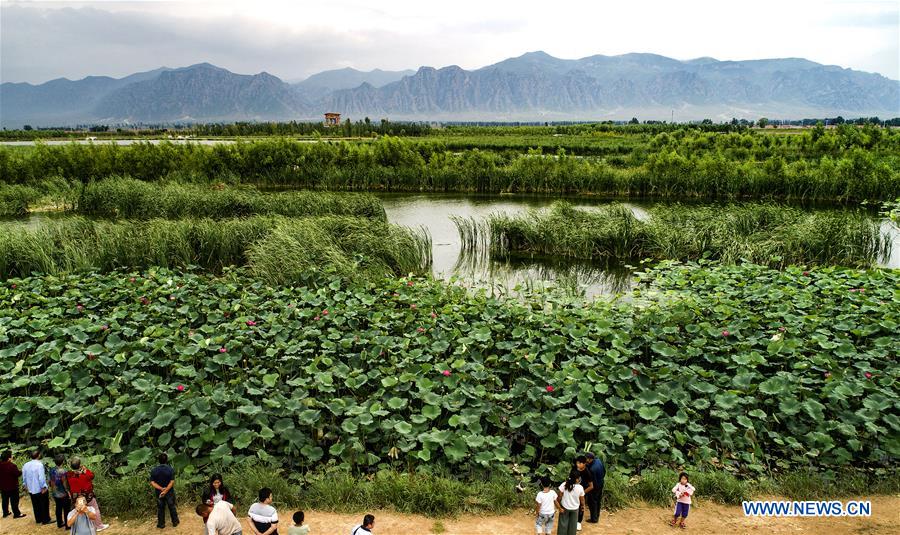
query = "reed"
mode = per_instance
[
  {"x": 278, "y": 249},
  {"x": 759, "y": 233}
]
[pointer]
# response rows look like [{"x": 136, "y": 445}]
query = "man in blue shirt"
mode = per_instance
[
  {"x": 593, "y": 498},
  {"x": 162, "y": 479},
  {"x": 34, "y": 476}
]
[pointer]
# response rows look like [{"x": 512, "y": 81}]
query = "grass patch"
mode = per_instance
[
  {"x": 279, "y": 250},
  {"x": 764, "y": 234}
]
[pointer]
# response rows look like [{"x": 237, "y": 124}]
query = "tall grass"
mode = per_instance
[
  {"x": 133, "y": 199},
  {"x": 850, "y": 166},
  {"x": 15, "y": 200},
  {"x": 763, "y": 234},
  {"x": 277, "y": 249}
]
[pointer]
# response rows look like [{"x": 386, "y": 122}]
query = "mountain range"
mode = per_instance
[{"x": 534, "y": 86}]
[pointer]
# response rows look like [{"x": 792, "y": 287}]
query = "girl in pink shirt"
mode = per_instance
[{"x": 683, "y": 492}]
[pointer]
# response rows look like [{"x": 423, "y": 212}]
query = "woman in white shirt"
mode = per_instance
[{"x": 571, "y": 501}]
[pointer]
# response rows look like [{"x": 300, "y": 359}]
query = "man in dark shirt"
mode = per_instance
[
  {"x": 162, "y": 479},
  {"x": 9, "y": 485},
  {"x": 586, "y": 481},
  {"x": 595, "y": 466}
]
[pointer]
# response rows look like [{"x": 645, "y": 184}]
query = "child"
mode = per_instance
[
  {"x": 571, "y": 501},
  {"x": 683, "y": 492},
  {"x": 298, "y": 528},
  {"x": 545, "y": 508}
]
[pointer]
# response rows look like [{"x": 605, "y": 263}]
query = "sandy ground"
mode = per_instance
[{"x": 705, "y": 518}]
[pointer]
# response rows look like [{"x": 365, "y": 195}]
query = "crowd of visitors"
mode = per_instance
[{"x": 77, "y": 509}]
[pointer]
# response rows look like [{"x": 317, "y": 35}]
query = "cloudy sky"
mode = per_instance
[{"x": 42, "y": 40}]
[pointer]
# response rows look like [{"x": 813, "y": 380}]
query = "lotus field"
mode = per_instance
[{"x": 744, "y": 367}]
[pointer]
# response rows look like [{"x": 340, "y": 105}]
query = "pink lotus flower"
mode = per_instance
[
  {"x": 396, "y": 294},
  {"x": 180, "y": 388},
  {"x": 421, "y": 330},
  {"x": 222, "y": 350},
  {"x": 782, "y": 329},
  {"x": 325, "y": 312},
  {"x": 412, "y": 306},
  {"x": 433, "y": 315},
  {"x": 550, "y": 388},
  {"x": 316, "y": 318},
  {"x": 868, "y": 375},
  {"x": 446, "y": 373},
  {"x": 410, "y": 283},
  {"x": 91, "y": 356},
  {"x": 131, "y": 279},
  {"x": 104, "y": 328},
  {"x": 827, "y": 374},
  {"x": 290, "y": 305},
  {"x": 726, "y": 334},
  {"x": 190, "y": 333},
  {"x": 79, "y": 307},
  {"x": 13, "y": 286},
  {"x": 251, "y": 323},
  {"x": 806, "y": 273},
  {"x": 144, "y": 301}
]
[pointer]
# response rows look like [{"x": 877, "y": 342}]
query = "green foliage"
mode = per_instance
[
  {"x": 14, "y": 200},
  {"x": 847, "y": 164},
  {"x": 693, "y": 366},
  {"x": 278, "y": 249},
  {"x": 763, "y": 234},
  {"x": 134, "y": 199}
]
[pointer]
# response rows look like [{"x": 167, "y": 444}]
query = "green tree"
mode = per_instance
[{"x": 763, "y": 122}]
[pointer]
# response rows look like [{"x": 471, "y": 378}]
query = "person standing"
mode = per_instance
[
  {"x": 263, "y": 517},
  {"x": 60, "y": 489},
  {"x": 595, "y": 498},
  {"x": 587, "y": 482},
  {"x": 162, "y": 479},
  {"x": 81, "y": 483},
  {"x": 219, "y": 519},
  {"x": 34, "y": 476},
  {"x": 9, "y": 485},
  {"x": 570, "y": 502},
  {"x": 368, "y": 524},
  {"x": 81, "y": 519}
]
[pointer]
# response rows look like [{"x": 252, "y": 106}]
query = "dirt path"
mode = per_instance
[{"x": 705, "y": 519}]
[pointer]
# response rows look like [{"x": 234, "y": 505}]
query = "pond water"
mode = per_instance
[{"x": 434, "y": 212}]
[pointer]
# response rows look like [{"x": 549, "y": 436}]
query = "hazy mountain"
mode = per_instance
[
  {"x": 325, "y": 82},
  {"x": 202, "y": 92},
  {"x": 537, "y": 85},
  {"x": 60, "y": 101},
  {"x": 534, "y": 86}
]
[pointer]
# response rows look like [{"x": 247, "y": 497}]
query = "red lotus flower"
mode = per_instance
[
  {"x": 104, "y": 328},
  {"x": 782, "y": 329},
  {"x": 806, "y": 273},
  {"x": 316, "y": 318},
  {"x": 412, "y": 306},
  {"x": 325, "y": 312},
  {"x": 79, "y": 307},
  {"x": 550, "y": 388},
  {"x": 13, "y": 286},
  {"x": 131, "y": 279},
  {"x": 868, "y": 375},
  {"x": 446, "y": 373},
  {"x": 421, "y": 330},
  {"x": 251, "y": 323},
  {"x": 144, "y": 301},
  {"x": 222, "y": 350},
  {"x": 180, "y": 388},
  {"x": 91, "y": 356},
  {"x": 433, "y": 315},
  {"x": 635, "y": 372},
  {"x": 726, "y": 334},
  {"x": 410, "y": 283}
]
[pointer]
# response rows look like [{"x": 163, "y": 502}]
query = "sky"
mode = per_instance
[{"x": 292, "y": 39}]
